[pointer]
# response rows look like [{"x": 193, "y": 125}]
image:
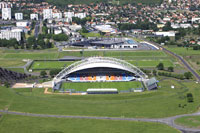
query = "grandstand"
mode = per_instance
[
  {"x": 100, "y": 69},
  {"x": 10, "y": 76}
]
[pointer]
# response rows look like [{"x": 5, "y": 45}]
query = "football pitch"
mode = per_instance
[{"x": 102, "y": 85}]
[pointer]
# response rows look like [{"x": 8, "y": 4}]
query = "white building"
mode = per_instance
[
  {"x": 5, "y": 5},
  {"x": 57, "y": 15},
  {"x": 80, "y": 15},
  {"x": 185, "y": 26},
  {"x": 7, "y": 34},
  {"x": 6, "y": 13},
  {"x": 47, "y": 14},
  {"x": 19, "y": 16},
  {"x": 34, "y": 16},
  {"x": 22, "y": 24},
  {"x": 167, "y": 33},
  {"x": 68, "y": 14}
]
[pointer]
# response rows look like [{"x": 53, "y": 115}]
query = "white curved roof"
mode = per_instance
[{"x": 95, "y": 62}]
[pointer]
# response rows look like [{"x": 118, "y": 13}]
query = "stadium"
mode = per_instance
[{"x": 102, "y": 69}]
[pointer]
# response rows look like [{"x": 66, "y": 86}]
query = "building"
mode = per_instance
[
  {"x": 22, "y": 23},
  {"x": 57, "y": 15},
  {"x": 99, "y": 69},
  {"x": 80, "y": 15},
  {"x": 5, "y": 5},
  {"x": 68, "y": 14},
  {"x": 19, "y": 16},
  {"x": 6, "y": 13},
  {"x": 47, "y": 14},
  {"x": 8, "y": 34},
  {"x": 34, "y": 16},
  {"x": 167, "y": 33}
]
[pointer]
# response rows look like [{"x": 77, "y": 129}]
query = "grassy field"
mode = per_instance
[
  {"x": 30, "y": 55},
  {"x": 117, "y": 85},
  {"x": 115, "y": 53},
  {"x": 189, "y": 121},
  {"x": 184, "y": 51},
  {"x": 152, "y": 104},
  {"x": 11, "y": 63},
  {"x": 91, "y": 34},
  {"x": 46, "y": 65},
  {"x": 24, "y": 124}
]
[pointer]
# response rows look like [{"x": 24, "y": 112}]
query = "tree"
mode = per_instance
[
  {"x": 53, "y": 72},
  {"x": 7, "y": 85},
  {"x": 188, "y": 75},
  {"x": 154, "y": 72},
  {"x": 190, "y": 97},
  {"x": 43, "y": 74},
  {"x": 160, "y": 66},
  {"x": 170, "y": 69}
]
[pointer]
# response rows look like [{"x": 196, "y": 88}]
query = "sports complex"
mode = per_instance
[
  {"x": 102, "y": 69},
  {"x": 134, "y": 100}
]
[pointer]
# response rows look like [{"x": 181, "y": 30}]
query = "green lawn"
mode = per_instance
[
  {"x": 46, "y": 65},
  {"x": 91, "y": 34},
  {"x": 184, "y": 51},
  {"x": 25, "y": 124},
  {"x": 11, "y": 63},
  {"x": 20, "y": 70},
  {"x": 152, "y": 104},
  {"x": 151, "y": 63},
  {"x": 115, "y": 53},
  {"x": 189, "y": 121},
  {"x": 31, "y": 55},
  {"x": 116, "y": 85}
]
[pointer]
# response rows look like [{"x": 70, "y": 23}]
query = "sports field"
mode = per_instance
[
  {"x": 25, "y": 124},
  {"x": 189, "y": 121},
  {"x": 99, "y": 85},
  {"x": 150, "y": 104}
]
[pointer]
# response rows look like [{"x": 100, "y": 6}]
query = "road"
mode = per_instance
[{"x": 168, "y": 121}]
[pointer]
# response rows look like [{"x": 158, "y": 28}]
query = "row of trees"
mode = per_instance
[
  {"x": 52, "y": 73},
  {"x": 9, "y": 43}
]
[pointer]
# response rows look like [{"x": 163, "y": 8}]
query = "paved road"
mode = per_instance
[
  {"x": 36, "y": 29},
  {"x": 25, "y": 68},
  {"x": 169, "y": 120}
]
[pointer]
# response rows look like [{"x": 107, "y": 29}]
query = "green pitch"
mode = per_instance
[{"x": 99, "y": 85}]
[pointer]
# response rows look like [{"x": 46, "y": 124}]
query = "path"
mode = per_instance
[
  {"x": 25, "y": 68},
  {"x": 169, "y": 120}
]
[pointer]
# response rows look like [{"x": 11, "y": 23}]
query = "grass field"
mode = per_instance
[
  {"x": 46, "y": 65},
  {"x": 91, "y": 34},
  {"x": 115, "y": 53},
  {"x": 11, "y": 63},
  {"x": 184, "y": 51},
  {"x": 117, "y": 85},
  {"x": 189, "y": 121},
  {"x": 24, "y": 124},
  {"x": 33, "y": 55},
  {"x": 152, "y": 104}
]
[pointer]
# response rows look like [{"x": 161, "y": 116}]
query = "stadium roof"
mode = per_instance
[{"x": 96, "y": 62}]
